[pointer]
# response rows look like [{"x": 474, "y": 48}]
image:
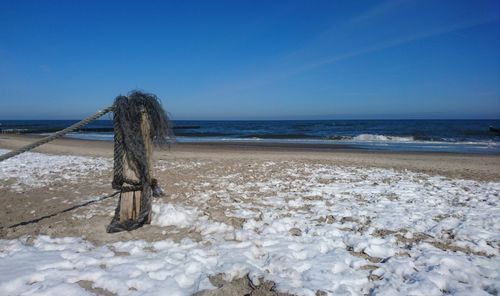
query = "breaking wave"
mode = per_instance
[{"x": 382, "y": 138}]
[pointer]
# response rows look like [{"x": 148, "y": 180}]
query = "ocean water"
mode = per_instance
[{"x": 463, "y": 136}]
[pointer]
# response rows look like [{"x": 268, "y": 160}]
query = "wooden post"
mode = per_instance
[
  {"x": 148, "y": 145},
  {"x": 130, "y": 203}
]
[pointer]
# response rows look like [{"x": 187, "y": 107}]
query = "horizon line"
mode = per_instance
[{"x": 281, "y": 119}]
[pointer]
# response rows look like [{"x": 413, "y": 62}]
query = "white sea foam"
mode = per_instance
[{"x": 381, "y": 138}]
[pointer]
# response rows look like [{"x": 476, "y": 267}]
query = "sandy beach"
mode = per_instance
[{"x": 253, "y": 218}]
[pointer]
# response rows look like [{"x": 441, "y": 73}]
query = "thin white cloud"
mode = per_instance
[
  {"x": 382, "y": 9},
  {"x": 396, "y": 42},
  {"x": 376, "y": 11}
]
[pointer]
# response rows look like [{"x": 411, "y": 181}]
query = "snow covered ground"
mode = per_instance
[
  {"x": 306, "y": 226},
  {"x": 36, "y": 170}
]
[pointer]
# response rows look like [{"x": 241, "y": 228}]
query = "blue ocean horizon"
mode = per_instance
[{"x": 458, "y": 136}]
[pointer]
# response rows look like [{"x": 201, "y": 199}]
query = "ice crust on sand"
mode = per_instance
[{"x": 304, "y": 226}]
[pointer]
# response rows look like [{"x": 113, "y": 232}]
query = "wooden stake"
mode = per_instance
[
  {"x": 148, "y": 144},
  {"x": 126, "y": 206},
  {"x": 130, "y": 204}
]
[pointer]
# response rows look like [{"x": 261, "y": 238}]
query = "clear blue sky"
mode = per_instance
[{"x": 253, "y": 59}]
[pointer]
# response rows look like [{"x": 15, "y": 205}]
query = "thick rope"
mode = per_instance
[
  {"x": 55, "y": 135},
  {"x": 118, "y": 154}
]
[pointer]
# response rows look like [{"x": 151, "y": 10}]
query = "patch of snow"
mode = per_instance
[
  {"x": 35, "y": 170},
  {"x": 355, "y": 231},
  {"x": 173, "y": 215}
]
